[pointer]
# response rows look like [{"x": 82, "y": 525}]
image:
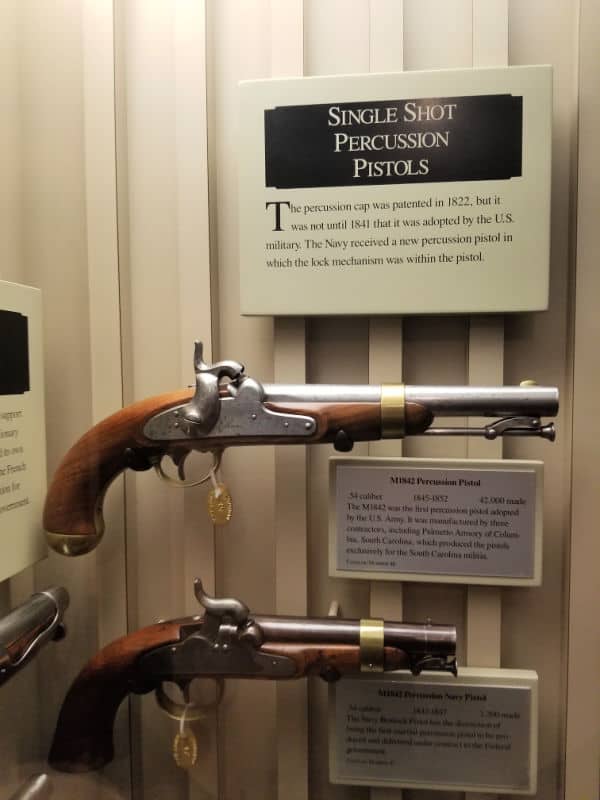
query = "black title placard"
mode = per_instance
[
  {"x": 14, "y": 353},
  {"x": 423, "y": 140}
]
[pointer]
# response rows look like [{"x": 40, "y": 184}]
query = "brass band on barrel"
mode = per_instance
[
  {"x": 371, "y": 645},
  {"x": 393, "y": 411}
]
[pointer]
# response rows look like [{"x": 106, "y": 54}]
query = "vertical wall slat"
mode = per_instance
[
  {"x": 162, "y": 208},
  {"x": 11, "y": 218},
  {"x": 336, "y": 43},
  {"x": 21, "y": 703},
  {"x": 291, "y": 590},
  {"x": 53, "y": 248},
  {"x": 239, "y": 49},
  {"x": 385, "y": 366},
  {"x": 535, "y": 621},
  {"x": 583, "y": 692},
  {"x": 105, "y": 311},
  {"x": 192, "y": 261},
  {"x": 291, "y": 579},
  {"x": 437, "y": 35},
  {"x": 386, "y": 43},
  {"x": 486, "y": 366},
  {"x": 103, "y": 280},
  {"x": 490, "y": 33}
]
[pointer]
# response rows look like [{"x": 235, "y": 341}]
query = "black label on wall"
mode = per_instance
[
  {"x": 14, "y": 353},
  {"x": 425, "y": 140}
]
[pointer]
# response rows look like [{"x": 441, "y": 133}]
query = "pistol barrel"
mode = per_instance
[
  {"x": 451, "y": 401},
  {"x": 24, "y": 629},
  {"x": 409, "y": 636}
]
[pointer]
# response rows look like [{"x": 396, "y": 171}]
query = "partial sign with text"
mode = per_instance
[
  {"x": 22, "y": 429},
  {"x": 461, "y": 521},
  {"x": 476, "y": 733}
]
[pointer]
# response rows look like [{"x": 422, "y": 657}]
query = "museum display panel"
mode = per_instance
[{"x": 207, "y": 607}]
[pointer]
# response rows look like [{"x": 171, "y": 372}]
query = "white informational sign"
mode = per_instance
[
  {"x": 409, "y": 193},
  {"x": 475, "y": 733},
  {"x": 451, "y": 520},
  {"x": 22, "y": 429}
]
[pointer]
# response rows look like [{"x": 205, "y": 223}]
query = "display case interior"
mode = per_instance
[{"x": 120, "y": 153}]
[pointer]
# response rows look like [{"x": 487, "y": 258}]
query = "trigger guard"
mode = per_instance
[{"x": 181, "y": 483}]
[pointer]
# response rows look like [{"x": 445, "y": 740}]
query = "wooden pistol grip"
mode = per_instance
[
  {"x": 331, "y": 661},
  {"x": 73, "y": 511},
  {"x": 83, "y": 739}
]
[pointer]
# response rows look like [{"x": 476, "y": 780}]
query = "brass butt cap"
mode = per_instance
[{"x": 68, "y": 544}]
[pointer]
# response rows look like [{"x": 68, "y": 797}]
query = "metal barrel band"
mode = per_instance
[
  {"x": 371, "y": 640},
  {"x": 393, "y": 411}
]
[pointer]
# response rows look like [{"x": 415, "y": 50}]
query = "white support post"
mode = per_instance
[
  {"x": 289, "y": 350},
  {"x": 486, "y": 366},
  {"x": 385, "y": 333}
]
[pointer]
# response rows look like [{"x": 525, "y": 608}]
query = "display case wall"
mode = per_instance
[{"x": 120, "y": 156}]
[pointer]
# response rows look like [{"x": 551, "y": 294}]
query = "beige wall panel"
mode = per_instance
[
  {"x": 534, "y": 632},
  {"x": 52, "y": 234},
  {"x": 437, "y": 35},
  {"x": 337, "y": 353},
  {"x": 105, "y": 318},
  {"x": 151, "y": 338},
  {"x": 287, "y": 59},
  {"x": 55, "y": 252},
  {"x": 490, "y": 33},
  {"x": 583, "y": 707},
  {"x": 483, "y": 623},
  {"x": 336, "y": 42},
  {"x": 291, "y": 567},
  {"x": 239, "y": 48},
  {"x": 166, "y": 304},
  {"x": 435, "y": 351},
  {"x": 386, "y": 54},
  {"x": 10, "y": 143},
  {"x": 196, "y": 318}
]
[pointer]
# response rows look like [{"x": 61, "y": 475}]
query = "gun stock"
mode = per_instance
[
  {"x": 73, "y": 510},
  {"x": 73, "y": 518},
  {"x": 83, "y": 740},
  {"x": 229, "y": 642},
  {"x": 84, "y": 732}
]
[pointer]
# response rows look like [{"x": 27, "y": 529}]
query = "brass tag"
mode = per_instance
[
  {"x": 185, "y": 750},
  {"x": 220, "y": 505}
]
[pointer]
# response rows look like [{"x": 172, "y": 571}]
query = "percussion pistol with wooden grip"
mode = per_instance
[
  {"x": 228, "y": 641},
  {"x": 227, "y": 408}
]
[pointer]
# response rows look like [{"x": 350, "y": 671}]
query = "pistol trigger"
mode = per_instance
[{"x": 178, "y": 457}]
